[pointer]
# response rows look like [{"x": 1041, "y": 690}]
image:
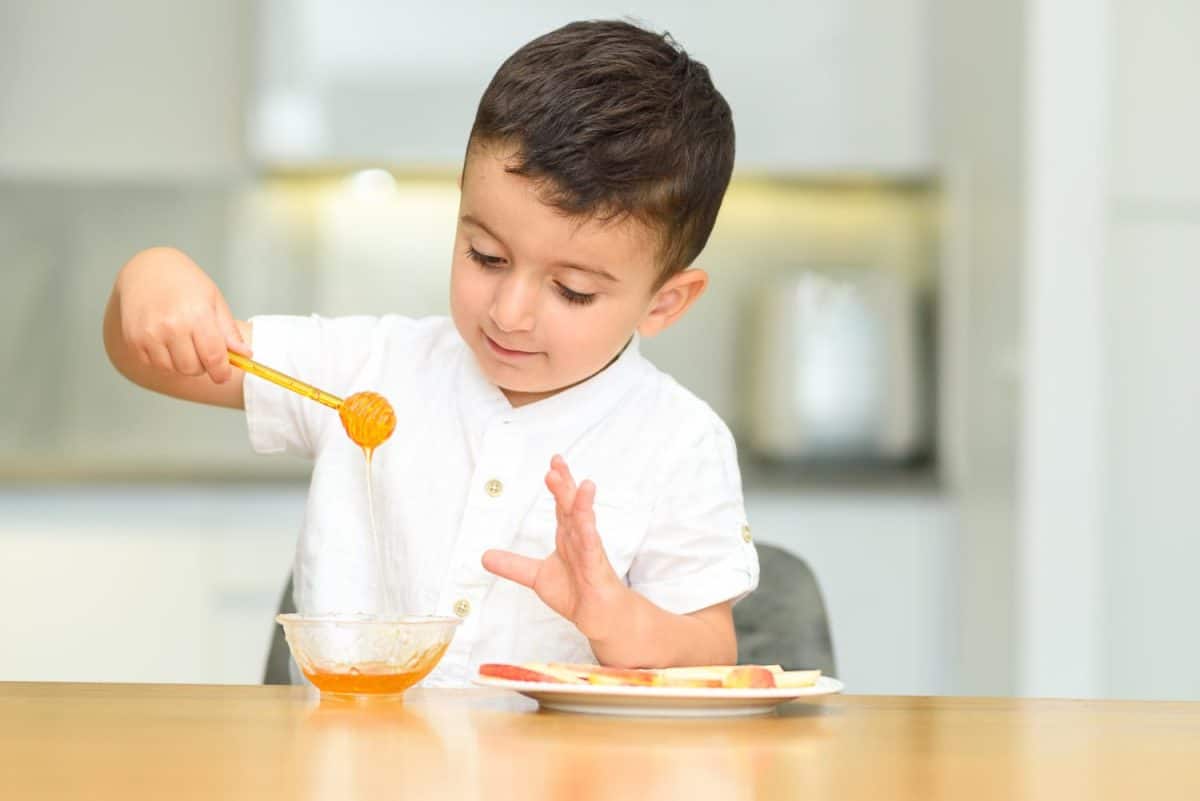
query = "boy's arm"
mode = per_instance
[
  {"x": 646, "y": 635},
  {"x": 625, "y": 629},
  {"x": 168, "y": 328}
]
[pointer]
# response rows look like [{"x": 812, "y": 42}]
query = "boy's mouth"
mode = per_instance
[{"x": 508, "y": 353}]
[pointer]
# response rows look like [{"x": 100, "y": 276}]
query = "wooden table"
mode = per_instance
[{"x": 176, "y": 741}]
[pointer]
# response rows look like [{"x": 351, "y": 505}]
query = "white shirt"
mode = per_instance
[{"x": 668, "y": 506}]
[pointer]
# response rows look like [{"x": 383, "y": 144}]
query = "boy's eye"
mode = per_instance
[
  {"x": 495, "y": 262},
  {"x": 483, "y": 259},
  {"x": 571, "y": 296}
]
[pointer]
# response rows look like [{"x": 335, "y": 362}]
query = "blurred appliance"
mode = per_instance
[{"x": 839, "y": 367}]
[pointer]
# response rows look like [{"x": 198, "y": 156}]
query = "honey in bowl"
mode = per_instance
[
  {"x": 375, "y": 678},
  {"x": 366, "y": 655}
]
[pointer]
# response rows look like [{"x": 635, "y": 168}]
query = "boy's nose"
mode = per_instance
[{"x": 514, "y": 304}]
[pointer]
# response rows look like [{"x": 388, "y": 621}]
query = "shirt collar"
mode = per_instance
[{"x": 481, "y": 403}]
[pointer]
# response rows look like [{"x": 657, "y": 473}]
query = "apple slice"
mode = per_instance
[
  {"x": 748, "y": 677},
  {"x": 699, "y": 672},
  {"x": 567, "y": 674},
  {"x": 718, "y": 672},
  {"x": 601, "y": 674},
  {"x": 797, "y": 678},
  {"x": 516, "y": 673},
  {"x": 687, "y": 681},
  {"x": 622, "y": 677}
]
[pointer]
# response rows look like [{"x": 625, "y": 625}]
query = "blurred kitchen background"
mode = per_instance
[{"x": 952, "y": 318}]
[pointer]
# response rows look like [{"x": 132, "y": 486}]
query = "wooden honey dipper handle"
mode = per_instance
[{"x": 285, "y": 381}]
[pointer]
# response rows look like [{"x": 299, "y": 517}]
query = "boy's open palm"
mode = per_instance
[{"x": 576, "y": 580}]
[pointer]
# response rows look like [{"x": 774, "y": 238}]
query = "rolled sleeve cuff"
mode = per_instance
[
  {"x": 695, "y": 591},
  {"x": 266, "y": 420}
]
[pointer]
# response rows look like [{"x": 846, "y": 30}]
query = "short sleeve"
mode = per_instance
[
  {"x": 328, "y": 353},
  {"x": 697, "y": 551}
]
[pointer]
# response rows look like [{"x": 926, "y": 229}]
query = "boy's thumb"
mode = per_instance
[{"x": 229, "y": 328}]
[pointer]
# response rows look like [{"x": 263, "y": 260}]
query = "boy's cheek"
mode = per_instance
[
  {"x": 468, "y": 283},
  {"x": 465, "y": 295}
]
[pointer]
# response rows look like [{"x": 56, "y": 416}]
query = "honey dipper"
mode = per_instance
[{"x": 367, "y": 416}]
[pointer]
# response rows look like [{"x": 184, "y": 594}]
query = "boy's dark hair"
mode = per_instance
[{"x": 615, "y": 120}]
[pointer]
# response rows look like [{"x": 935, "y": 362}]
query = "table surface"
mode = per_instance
[{"x": 101, "y": 741}]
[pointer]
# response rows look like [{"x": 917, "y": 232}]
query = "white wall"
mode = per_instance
[
  {"x": 979, "y": 66},
  {"x": 132, "y": 89},
  {"x": 1110, "y": 530},
  {"x": 1072, "y": 178},
  {"x": 1062, "y": 452},
  {"x": 1153, "y": 345}
]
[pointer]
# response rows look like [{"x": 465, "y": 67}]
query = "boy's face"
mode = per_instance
[{"x": 545, "y": 300}]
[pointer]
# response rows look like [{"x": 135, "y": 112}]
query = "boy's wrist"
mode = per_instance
[{"x": 618, "y": 642}]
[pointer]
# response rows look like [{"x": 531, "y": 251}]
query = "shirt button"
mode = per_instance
[
  {"x": 746, "y": 533},
  {"x": 462, "y": 607},
  {"x": 493, "y": 488}
]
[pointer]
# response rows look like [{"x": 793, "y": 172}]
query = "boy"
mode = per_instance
[{"x": 594, "y": 171}]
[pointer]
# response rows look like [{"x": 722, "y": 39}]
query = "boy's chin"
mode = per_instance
[
  {"x": 508, "y": 382},
  {"x": 527, "y": 387}
]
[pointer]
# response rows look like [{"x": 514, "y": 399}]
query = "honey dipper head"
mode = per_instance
[{"x": 368, "y": 419}]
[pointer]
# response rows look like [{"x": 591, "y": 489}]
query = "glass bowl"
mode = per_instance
[{"x": 361, "y": 655}]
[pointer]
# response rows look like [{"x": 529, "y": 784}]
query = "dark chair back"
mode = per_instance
[
  {"x": 783, "y": 622},
  {"x": 278, "y": 656}
]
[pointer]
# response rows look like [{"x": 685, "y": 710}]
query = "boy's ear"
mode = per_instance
[{"x": 672, "y": 299}]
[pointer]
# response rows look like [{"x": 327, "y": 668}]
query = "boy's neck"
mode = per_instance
[{"x": 519, "y": 399}]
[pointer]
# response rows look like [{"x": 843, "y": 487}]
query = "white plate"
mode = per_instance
[{"x": 602, "y": 699}]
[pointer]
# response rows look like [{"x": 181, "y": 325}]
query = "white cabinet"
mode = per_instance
[
  {"x": 885, "y": 563},
  {"x": 142, "y": 584},
  {"x": 819, "y": 85},
  {"x": 142, "y": 89},
  {"x": 815, "y": 85},
  {"x": 1155, "y": 164},
  {"x": 154, "y": 90}
]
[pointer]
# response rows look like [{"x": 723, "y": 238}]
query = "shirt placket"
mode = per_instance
[{"x": 489, "y": 521}]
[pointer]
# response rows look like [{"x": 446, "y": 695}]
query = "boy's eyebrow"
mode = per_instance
[
  {"x": 596, "y": 271},
  {"x": 478, "y": 223}
]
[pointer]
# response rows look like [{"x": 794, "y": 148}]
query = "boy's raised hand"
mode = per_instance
[
  {"x": 576, "y": 580},
  {"x": 167, "y": 327}
]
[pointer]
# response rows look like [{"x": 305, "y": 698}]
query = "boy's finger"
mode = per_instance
[
  {"x": 583, "y": 517},
  {"x": 552, "y": 484},
  {"x": 211, "y": 349},
  {"x": 562, "y": 519},
  {"x": 566, "y": 473},
  {"x": 564, "y": 495},
  {"x": 559, "y": 465},
  {"x": 570, "y": 491},
  {"x": 514, "y": 567},
  {"x": 183, "y": 356},
  {"x": 158, "y": 356},
  {"x": 585, "y": 496},
  {"x": 228, "y": 326}
]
